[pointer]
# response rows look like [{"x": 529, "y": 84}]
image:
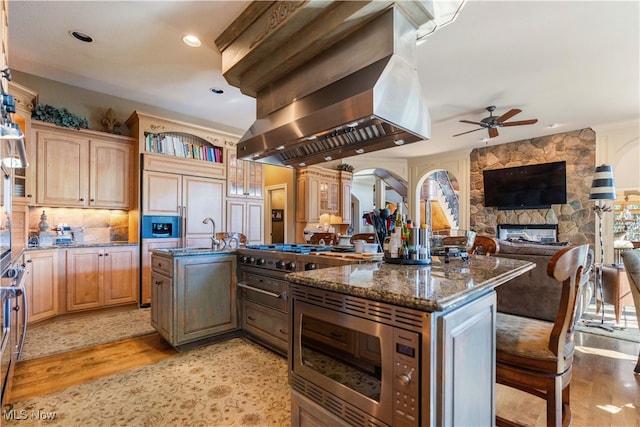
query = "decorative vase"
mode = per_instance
[{"x": 43, "y": 226}]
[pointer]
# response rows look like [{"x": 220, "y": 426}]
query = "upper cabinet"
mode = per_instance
[
  {"x": 24, "y": 178},
  {"x": 323, "y": 191},
  {"x": 244, "y": 178},
  {"x": 82, "y": 168}
]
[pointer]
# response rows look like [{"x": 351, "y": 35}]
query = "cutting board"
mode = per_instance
[{"x": 352, "y": 255}]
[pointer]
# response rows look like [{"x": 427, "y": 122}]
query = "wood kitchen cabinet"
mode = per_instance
[
  {"x": 246, "y": 217},
  {"x": 41, "y": 284},
  {"x": 193, "y": 297},
  {"x": 82, "y": 168},
  {"x": 193, "y": 198},
  {"x": 245, "y": 198},
  {"x": 101, "y": 276},
  {"x": 244, "y": 179},
  {"x": 24, "y": 179},
  {"x": 145, "y": 265},
  {"x": 323, "y": 191}
]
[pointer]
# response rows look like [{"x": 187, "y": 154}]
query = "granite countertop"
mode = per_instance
[
  {"x": 436, "y": 287},
  {"x": 79, "y": 245},
  {"x": 181, "y": 252}
]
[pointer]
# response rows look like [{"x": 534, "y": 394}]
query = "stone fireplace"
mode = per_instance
[{"x": 574, "y": 221}]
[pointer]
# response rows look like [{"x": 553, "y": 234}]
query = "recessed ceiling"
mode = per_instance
[{"x": 572, "y": 63}]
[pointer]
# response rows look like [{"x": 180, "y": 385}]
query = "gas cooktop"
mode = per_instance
[{"x": 291, "y": 248}]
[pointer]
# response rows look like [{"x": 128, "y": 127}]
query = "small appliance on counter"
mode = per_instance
[{"x": 64, "y": 235}]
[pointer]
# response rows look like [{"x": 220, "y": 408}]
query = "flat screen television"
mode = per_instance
[{"x": 526, "y": 187}]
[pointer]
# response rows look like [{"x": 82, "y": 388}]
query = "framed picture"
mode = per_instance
[{"x": 277, "y": 214}]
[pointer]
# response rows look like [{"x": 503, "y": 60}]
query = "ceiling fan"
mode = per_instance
[{"x": 492, "y": 123}]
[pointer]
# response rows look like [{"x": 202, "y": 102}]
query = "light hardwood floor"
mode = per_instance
[{"x": 604, "y": 390}]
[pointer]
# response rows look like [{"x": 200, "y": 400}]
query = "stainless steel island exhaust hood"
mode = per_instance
[{"x": 359, "y": 96}]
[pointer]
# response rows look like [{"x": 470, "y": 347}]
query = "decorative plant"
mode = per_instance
[
  {"x": 345, "y": 167},
  {"x": 59, "y": 116}
]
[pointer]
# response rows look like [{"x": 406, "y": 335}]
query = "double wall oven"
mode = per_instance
[{"x": 264, "y": 290}]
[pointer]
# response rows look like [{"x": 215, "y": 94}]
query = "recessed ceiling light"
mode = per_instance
[
  {"x": 399, "y": 142},
  {"x": 554, "y": 125},
  {"x": 328, "y": 158},
  {"x": 359, "y": 150},
  {"x": 280, "y": 147},
  {"x": 191, "y": 40},
  {"x": 216, "y": 90},
  {"x": 83, "y": 37}
]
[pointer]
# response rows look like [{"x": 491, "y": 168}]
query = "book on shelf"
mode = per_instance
[{"x": 173, "y": 145}]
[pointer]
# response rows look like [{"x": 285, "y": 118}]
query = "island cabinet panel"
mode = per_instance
[
  {"x": 80, "y": 168},
  {"x": 194, "y": 300},
  {"x": 466, "y": 393},
  {"x": 41, "y": 284},
  {"x": 101, "y": 276},
  {"x": 162, "y": 306}
]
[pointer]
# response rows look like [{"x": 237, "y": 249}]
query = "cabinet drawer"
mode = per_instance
[
  {"x": 268, "y": 326},
  {"x": 162, "y": 265}
]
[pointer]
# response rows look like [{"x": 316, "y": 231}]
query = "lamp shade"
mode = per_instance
[{"x": 602, "y": 187}]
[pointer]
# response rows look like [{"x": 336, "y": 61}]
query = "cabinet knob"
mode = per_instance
[
  {"x": 92, "y": 200},
  {"x": 106, "y": 254},
  {"x": 81, "y": 199},
  {"x": 99, "y": 254},
  {"x": 29, "y": 195},
  {"x": 158, "y": 282}
]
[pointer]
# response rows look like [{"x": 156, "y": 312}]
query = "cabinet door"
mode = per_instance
[
  {"x": 205, "y": 297},
  {"x": 162, "y": 306},
  {"x": 110, "y": 174},
  {"x": 235, "y": 174},
  {"x": 120, "y": 275},
  {"x": 236, "y": 215},
  {"x": 313, "y": 199},
  {"x": 254, "y": 229},
  {"x": 62, "y": 173},
  {"x": 254, "y": 180},
  {"x": 345, "y": 202},
  {"x": 161, "y": 193},
  {"x": 84, "y": 278},
  {"x": 145, "y": 264},
  {"x": 203, "y": 197},
  {"x": 41, "y": 284}
]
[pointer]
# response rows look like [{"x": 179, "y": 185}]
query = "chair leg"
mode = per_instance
[
  {"x": 555, "y": 402},
  {"x": 566, "y": 406},
  {"x": 637, "y": 368}
]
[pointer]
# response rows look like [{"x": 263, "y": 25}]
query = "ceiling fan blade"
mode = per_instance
[
  {"x": 471, "y": 123},
  {"x": 468, "y": 132},
  {"x": 493, "y": 132},
  {"x": 521, "y": 122},
  {"x": 508, "y": 114}
]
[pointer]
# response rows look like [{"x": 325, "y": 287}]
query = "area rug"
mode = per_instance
[
  {"x": 231, "y": 383},
  {"x": 70, "y": 333},
  {"x": 624, "y": 330}
]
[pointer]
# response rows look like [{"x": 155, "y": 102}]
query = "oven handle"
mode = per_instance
[
  {"x": 283, "y": 295},
  {"x": 20, "y": 284}
]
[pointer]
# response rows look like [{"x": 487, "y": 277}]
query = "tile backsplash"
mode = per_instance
[{"x": 98, "y": 225}]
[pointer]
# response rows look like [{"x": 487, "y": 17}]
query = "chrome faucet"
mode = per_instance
[{"x": 214, "y": 241}]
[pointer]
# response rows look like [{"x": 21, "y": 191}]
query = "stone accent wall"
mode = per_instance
[{"x": 576, "y": 222}]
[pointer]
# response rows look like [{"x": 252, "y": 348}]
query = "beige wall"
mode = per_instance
[
  {"x": 276, "y": 176},
  {"x": 93, "y": 105}
]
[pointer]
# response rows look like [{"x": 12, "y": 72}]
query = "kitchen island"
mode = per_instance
[
  {"x": 193, "y": 293},
  {"x": 386, "y": 344}
]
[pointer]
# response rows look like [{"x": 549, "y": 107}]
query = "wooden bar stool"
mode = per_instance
[{"x": 536, "y": 356}]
